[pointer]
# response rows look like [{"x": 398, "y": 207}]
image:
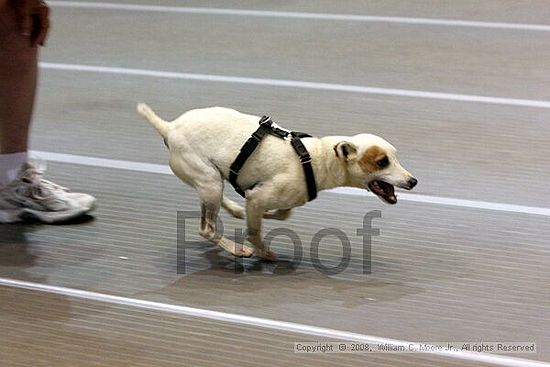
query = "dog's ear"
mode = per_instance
[{"x": 346, "y": 150}]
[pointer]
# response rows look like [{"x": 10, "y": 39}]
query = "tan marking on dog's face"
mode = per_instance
[{"x": 369, "y": 159}]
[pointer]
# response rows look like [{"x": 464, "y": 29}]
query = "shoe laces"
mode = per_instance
[{"x": 36, "y": 186}]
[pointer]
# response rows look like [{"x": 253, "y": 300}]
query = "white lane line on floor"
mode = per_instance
[
  {"x": 301, "y": 15},
  {"x": 473, "y": 204},
  {"x": 162, "y": 169},
  {"x": 297, "y": 84},
  {"x": 262, "y": 323},
  {"x": 103, "y": 162}
]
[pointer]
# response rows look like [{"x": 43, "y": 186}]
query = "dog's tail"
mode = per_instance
[{"x": 159, "y": 124}]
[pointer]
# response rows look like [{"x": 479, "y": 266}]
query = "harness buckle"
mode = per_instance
[
  {"x": 305, "y": 159},
  {"x": 280, "y": 131},
  {"x": 266, "y": 121}
]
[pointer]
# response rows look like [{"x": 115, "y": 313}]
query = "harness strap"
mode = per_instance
[
  {"x": 246, "y": 151},
  {"x": 268, "y": 127},
  {"x": 305, "y": 159}
]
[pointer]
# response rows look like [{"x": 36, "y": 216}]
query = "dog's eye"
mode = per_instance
[{"x": 382, "y": 163}]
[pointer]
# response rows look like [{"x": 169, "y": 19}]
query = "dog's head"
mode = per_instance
[{"x": 372, "y": 164}]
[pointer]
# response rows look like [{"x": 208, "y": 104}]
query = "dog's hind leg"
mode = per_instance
[
  {"x": 208, "y": 182},
  {"x": 233, "y": 208},
  {"x": 211, "y": 197},
  {"x": 278, "y": 214},
  {"x": 238, "y": 211}
]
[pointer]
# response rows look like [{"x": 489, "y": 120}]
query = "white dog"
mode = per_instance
[{"x": 203, "y": 144}]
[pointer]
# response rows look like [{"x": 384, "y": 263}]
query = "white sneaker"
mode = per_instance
[{"x": 31, "y": 196}]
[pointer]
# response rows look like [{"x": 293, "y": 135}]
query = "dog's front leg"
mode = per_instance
[{"x": 254, "y": 213}]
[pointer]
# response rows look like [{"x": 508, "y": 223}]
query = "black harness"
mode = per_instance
[{"x": 269, "y": 127}]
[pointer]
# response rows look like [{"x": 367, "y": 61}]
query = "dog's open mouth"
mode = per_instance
[{"x": 384, "y": 191}]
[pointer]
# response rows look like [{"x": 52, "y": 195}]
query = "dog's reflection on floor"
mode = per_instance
[{"x": 281, "y": 266}]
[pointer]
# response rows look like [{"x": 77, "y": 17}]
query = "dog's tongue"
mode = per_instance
[{"x": 383, "y": 190}]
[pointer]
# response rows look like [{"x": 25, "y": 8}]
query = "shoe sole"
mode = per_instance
[{"x": 25, "y": 214}]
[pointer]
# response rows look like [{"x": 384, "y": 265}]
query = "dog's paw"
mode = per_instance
[
  {"x": 244, "y": 251},
  {"x": 236, "y": 249},
  {"x": 267, "y": 255}
]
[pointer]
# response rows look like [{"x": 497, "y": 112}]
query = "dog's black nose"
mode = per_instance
[{"x": 412, "y": 182}]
